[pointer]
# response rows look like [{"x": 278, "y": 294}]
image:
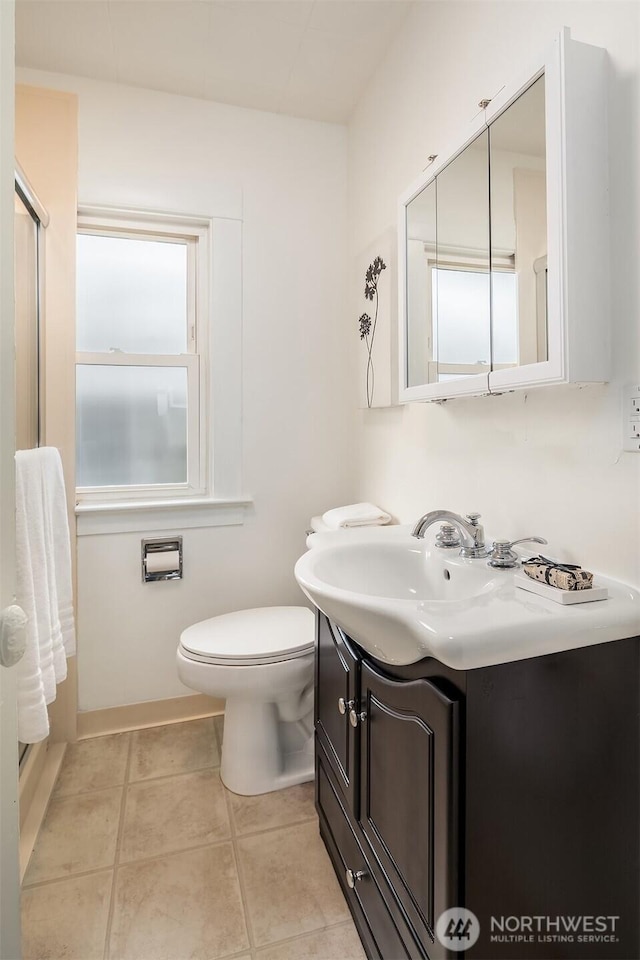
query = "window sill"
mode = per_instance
[{"x": 130, "y": 516}]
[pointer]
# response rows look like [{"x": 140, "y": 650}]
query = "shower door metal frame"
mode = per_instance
[
  {"x": 40, "y": 217},
  {"x": 30, "y": 198}
]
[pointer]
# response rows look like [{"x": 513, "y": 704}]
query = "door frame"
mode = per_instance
[{"x": 9, "y": 862}]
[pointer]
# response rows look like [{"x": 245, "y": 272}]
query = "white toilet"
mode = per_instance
[{"x": 261, "y": 662}]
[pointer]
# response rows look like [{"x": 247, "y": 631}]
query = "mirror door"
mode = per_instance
[
  {"x": 447, "y": 270},
  {"x": 461, "y": 294},
  {"x": 421, "y": 357},
  {"x": 517, "y": 172}
]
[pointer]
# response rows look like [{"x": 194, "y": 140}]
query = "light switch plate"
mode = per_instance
[{"x": 631, "y": 418}]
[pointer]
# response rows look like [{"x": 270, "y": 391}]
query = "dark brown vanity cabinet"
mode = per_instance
[{"x": 511, "y": 790}]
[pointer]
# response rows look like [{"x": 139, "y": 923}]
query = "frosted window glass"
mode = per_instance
[
  {"x": 461, "y": 299},
  {"x": 131, "y": 425},
  {"x": 504, "y": 291},
  {"x": 131, "y": 295}
]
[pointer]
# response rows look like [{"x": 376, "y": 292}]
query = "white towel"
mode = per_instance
[
  {"x": 44, "y": 587},
  {"x": 356, "y": 515},
  {"x": 318, "y": 525}
]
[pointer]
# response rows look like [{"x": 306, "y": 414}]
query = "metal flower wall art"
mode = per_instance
[{"x": 367, "y": 325}]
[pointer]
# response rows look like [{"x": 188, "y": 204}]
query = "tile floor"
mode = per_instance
[{"x": 144, "y": 855}]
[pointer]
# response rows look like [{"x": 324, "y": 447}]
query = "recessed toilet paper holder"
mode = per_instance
[{"x": 162, "y": 559}]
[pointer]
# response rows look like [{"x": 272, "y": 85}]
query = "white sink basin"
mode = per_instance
[
  {"x": 403, "y": 599},
  {"x": 404, "y": 570}
]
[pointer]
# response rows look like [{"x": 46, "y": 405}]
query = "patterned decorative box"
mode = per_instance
[{"x": 564, "y": 576}]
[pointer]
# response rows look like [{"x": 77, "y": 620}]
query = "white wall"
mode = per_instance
[
  {"x": 548, "y": 462},
  {"x": 144, "y": 149}
]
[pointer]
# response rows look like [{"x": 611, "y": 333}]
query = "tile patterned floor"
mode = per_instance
[{"x": 144, "y": 855}]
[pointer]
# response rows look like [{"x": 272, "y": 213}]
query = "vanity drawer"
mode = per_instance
[{"x": 365, "y": 898}]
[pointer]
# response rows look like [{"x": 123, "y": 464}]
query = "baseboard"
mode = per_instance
[
  {"x": 30, "y": 772},
  {"x": 47, "y": 762},
  {"x": 151, "y": 713}
]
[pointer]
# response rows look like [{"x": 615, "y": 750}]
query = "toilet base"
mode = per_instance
[{"x": 260, "y": 753}]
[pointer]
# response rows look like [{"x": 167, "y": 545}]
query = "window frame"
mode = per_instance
[{"x": 195, "y": 234}]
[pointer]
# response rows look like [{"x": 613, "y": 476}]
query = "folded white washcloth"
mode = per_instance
[
  {"x": 318, "y": 525},
  {"x": 43, "y": 587},
  {"x": 356, "y": 515}
]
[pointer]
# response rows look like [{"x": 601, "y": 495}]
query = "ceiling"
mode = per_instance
[{"x": 307, "y": 58}]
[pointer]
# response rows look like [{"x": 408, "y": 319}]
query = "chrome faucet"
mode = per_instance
[{"x": 471, "y": 531}]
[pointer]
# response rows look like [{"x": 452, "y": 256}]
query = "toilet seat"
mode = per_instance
[{"x": 251, "y": 637}]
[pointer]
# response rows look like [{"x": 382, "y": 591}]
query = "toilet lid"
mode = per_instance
[{"x": 264, "y": 635}]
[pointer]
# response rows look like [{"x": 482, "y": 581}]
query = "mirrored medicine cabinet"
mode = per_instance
[{"x": 503, "y": 242}]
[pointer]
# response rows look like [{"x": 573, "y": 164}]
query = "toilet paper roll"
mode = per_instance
[{"x": 163, "y": 561}]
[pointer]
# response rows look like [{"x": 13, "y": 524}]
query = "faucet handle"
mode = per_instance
[
  {"x": 528, "y": 540},
  {"x": 448, "y": 536},
  {"x": 503, "y": 555},
  {"x": 477, "y": 547}
]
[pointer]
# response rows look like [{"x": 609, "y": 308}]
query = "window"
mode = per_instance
[
  {"x": 141, "y": 357},
  {"x": 471, "y": 313},
  {"x": 463, "y": 342}
]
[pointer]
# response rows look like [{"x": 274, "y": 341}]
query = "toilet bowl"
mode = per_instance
[{"x": 261, "y": 662}]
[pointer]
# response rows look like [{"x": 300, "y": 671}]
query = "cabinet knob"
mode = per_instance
[
  {"x": 355, "y": 718},
  {"x": 344, "y": 705},
  {"x": 353, "y": 876}
]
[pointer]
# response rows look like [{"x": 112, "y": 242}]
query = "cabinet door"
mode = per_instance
[
  {"x": 336, "y": 688},
  {"x": 445, "y": 311},
  {"x": 549, "y": 178},
  {"x": 409, "y": 801}
]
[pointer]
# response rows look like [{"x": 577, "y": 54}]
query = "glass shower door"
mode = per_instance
[{"x": 27, "y": 325}]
